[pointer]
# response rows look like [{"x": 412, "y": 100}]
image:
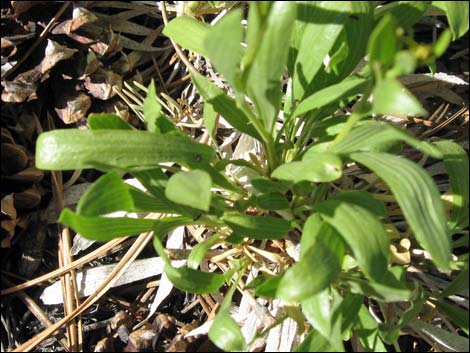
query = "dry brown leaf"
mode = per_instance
[
  {"x": 22, "y": 88},
  {"x": 73, "y": 108},
  {"x": 54, "y": 53},
  {"x": 100, "y": 84}
]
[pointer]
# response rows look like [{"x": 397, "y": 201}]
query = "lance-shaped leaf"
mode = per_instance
[
  {"x": 318, "y": 167},
  {"x": 191, "y": 189},
  {"x": 331, "y": 94},
  {"x": 225, "y": 332},
  {"x": 105, "y": 229},
  {"x": 258, "y": 227},
  {"x": 373, "y": 136},
  {"x": 199, "y": 251},
  {"x": 418, "y": 198},
  {"x": 154, "y": 119},
  {"x": 363, "y": 233},
  {"x": 457, "y": 166},
  {"x": 224, "y": 105},
  {"x": 194, "y": 281},
  {"x": 226, "y": 58},
  {"x": 189, "y": 33},
  {"x": 318, "y": 26},
  {"x": 116, "y": 149},
  {"x": 263, "y": 83},
  {"x": 110, "y": 193},
  {"x": 313, "y": 273}
]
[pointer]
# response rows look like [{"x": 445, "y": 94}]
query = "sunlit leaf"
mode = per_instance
[
  {"x": 110, "y": 193},
  {"x": 191, "y": 189},
  {"x": 363, "y": 233},
  {"x": 457, "y": 166},
  {"x": 189, "y": 33},
  {"x": 316, "y": 167},
  {"x": 115, "y": 149},
  {"x": 194, "y": 281},
  {"x": 106, "y": 228},
  {"x": 391, "y": 97},
  {"x": 418, "y": 198}
]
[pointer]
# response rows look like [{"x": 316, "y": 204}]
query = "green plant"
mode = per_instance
[{"x": 302, "y": 189}]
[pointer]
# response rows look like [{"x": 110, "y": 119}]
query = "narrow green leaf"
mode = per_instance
[
  {"x": 263, "y": 83},
  {"x": 418, "y": 198},
  {"x": 272, "y": 201},
  {"x": 227, "y": 58},
  {"x": 224, "y": 105},
  {"x": 105, "y": 229},
  {"x": 457, "y": 166},
  {"x": 268, "y": 287},
  {"x": 383, "y": 43},
  {"x": 199, "y": 251},
  {"x": 258, "y": 227},
  {"x": 226, "y": 334},
  {"x": 116, "y": 149},
  {"x": 154, "y": 119},
  {"x": 312, "y": 230},
  {"x": 363, "y": 233},
  {"x": 319, "y": 25},
  {"x": 374, "y": 136},
  {"x": 446, "y": 340},
  {"x": 189, "y": 33},
  {"x": 456, "y": 314},
  {"x": 391, "y": 97},
  {"x": 107, "y": 121},
  {"x": 210, "y": 120},
  {"x": 316, "y": 167},
  {"x": 194, "y": 281},
  {"x": 312, "y": 274},
  {"x": 331, "y": 94},
  {"x": 110, "y": 193},
  {"x": 191, "y": 189}
]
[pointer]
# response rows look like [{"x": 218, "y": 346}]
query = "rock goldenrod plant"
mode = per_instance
[{"x": 301, "y": 189}]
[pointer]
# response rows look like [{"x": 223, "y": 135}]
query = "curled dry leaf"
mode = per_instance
[
  {"x": 73, "y": 108},
  {"x": 23, "y": 88},
  {"x": 55, "y": 53},
  {"x": 80, "y": 17},
  {"x": 100, "y": 84},
  {"x": 107, "y": 47}
]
